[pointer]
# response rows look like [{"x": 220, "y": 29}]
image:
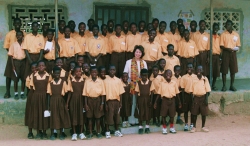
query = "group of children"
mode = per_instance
[{"x": 75, "y": 89}]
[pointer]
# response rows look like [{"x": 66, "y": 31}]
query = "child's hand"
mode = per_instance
[
  {"x": 67, "y": 106},
  {"x": 120, "y": 105},
  {"x": 101, "y": 107},
  {"x": 13, "y": 68},
  {"x": 155, "y": 106},
  {"x": 87, "y": 107}
]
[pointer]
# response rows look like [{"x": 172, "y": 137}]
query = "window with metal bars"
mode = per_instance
[
  {"x": 42, "y": 15},
  {"x": 120, "y": 13}
]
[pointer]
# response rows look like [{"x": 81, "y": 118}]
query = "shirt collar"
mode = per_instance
[
  {"x": 36, "y": 74},
  {"x": 145, "y": 83},
  {"x": 59, "y": 82},
  {"x": 74, "y": 80}
]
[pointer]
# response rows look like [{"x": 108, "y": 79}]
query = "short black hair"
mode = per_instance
[
  {"x": 177, "y": 66},
  {"x": 76, "y": 67},
  {"x": 163, "y": 22},
  {"x": 172, "y": 22},
  {"x": 155, "y": 66},
  {"x": 190, "y": 64},
  {"x": 61, "y": 21},
  {"x": 101, "y": 68},
  {"x": 215, "y": 24},
  {"x": 186, "y": 30},
  {"x": 142, "y": 21},
  {"x": 71, "y": 21},
  {"x": 58, "y": 58},
  {"x": 103, "y": 26},
  {"x": 179, "y": 26},
  {"x": 139, "y": 47},
  {"x": 80, "y": 56},
  {"x": 110, "y": 21},
  {"x": 66, "y": 27},
  {"x": 201, "y": 21},
  {"x": 167, "y": 70},
  {"x": 72, "y": 62},
  {"x": 19, "y": 32},
  {"x": 124, "y": 73},
  {"x": 170, "y": 45},
  {"x": 81, "y": 23},
  {"x": 125, "y": 21},
  {"x": 91, "y": 20},
  {"x": 95, "y": 25},
  {"x": 16, "y": 19},
  {"x": 229, "y": 21},
  {"x": 118, "y": 25},
  {"x": 155, "y": 19},
  {"x": 111, "y": 65},
  {"x": 193, "y": 21},
  {"x": 33, "y": 64},
  {"x": 133, "y": 23},
  {"x": 161, "y": 60},
  {"x": 35, "y": 22},
  {"x": 93, "y": 68},
  {"x": 151, "y": 30},
  {"x": 51, "y": 30},
  {"x": 144, "y": 71},
  {"x": 56, "y": 68},
  {"x": 41, "y": 62}
]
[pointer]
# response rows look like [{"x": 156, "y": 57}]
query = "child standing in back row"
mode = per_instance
[
  {"x": 75, "y": 102},
  {"x": 18, "y": 64},
  {"x": 127, "y": 100},
  {"x": 144, "y": 95},
  {"x": 59, "y": 113},
  {"x": 39, "y": 103}
]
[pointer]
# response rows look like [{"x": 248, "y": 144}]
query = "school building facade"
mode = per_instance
[{"x": 132, "y": 10}]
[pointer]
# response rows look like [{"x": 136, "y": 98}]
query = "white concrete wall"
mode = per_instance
[{"x": 167, "y": 10}]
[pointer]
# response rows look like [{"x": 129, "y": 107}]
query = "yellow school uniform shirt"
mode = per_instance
[
  {"x": 108, "y": 35},
  {"x": 33, "y": 44},
  {"x": 81, "y": 42},
  {"x": 95, "y": 46},
  {"x": 131, "y": 41},
  {"x": 187, "y": 49},
  {"x": 74, "y": 34},
  {"x": 117, "y": 44},
  {"x": 200, "y": 86},
  {"x": 174, "y": 39},
  {"x": 128, "y": 33},
  {"x": 177, "y": 80},
  {"x": 68, "y": 47},
  {"x": 230, "y": 40},
  {"x": 106, "y": 43},
  {"x": 171, "y": 62},
  {"x": 10, "y": 38},
  {"x": 152, "y": 51},
  {"x": 186, "y": 82},
  {"x": 51, "y": 54},
  {"x": 156, "y": 81},
  {"x": 216, "y": 45},
  {"x": 137, "y": 89},
  {"x": 60, "y": 35},
  {"x": 202, "y": 40},
  {"x": 94, "y": 88},
  {"x": 38, "y": 77},
  {"x": 168, "y": 89},
  {"x": 69, "y": 87},
  {"x": 164, "y": 41},
  {"x": 146, "y": 37},
  {"x": 64, "y": 88},
  {"x": 16, "y": 51},
  {"x": 114, "y": 88}
]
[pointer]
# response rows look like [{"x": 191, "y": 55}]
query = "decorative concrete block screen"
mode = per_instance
[
  {"x": 221, "y": 17},
  {"x": 42, "y": 15}
]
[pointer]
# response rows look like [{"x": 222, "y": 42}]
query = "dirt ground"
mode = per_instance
[{"x": 225, "y": 130}]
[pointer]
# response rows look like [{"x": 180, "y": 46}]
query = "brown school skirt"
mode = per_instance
[
  {"x": 216, "y": 65},
  {"x": 34, "y": 58},
  {"x": 112, "y": 116},
  {"x": 129, "y": 55},
  {"x": 118, "y": 59},
  {"x": 184, "y": 62},
  {"x": 168, "y": 107},
  {"x": 156, "y": 112},
  {"x": 199, "y": 106},
  {"x": 229, "y": 60},
  {"x": 28, "y": 108},
  {"x": 20, "y": 69},
  {"x": 126, "y": 105},
  {"x": 187, "y": 102},
  {"x": 143, "y": 111},
  {"x": 94, "y": 107},
  {"x": 8, "y": 68},
  {"x": 50, "y": 64},
  {"x": 202, "y": 60}
]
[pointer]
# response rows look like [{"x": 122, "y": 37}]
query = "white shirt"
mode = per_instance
[{"x": 127, "y": 68}]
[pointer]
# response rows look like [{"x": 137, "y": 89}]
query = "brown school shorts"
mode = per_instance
[
  {"x": 94, "y": 107},
  {"x": 178, "y": 110},
  {"x": 187, "y": 102},
  {"x": 168, "y": 107},
  {"x": 8, "y": 68},
  {"x": 20, "y": 70},
  {"x": 216, "y": 65},
  {"x": 199, "y": 106},
  {"x": 112, "y": 116},
  {"x": 229, "y": 60}
]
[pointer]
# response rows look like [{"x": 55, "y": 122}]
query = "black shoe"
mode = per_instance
[
  {"x": 94, "y": 132},
  {"x": 232, "y": 88},
  {"x": 71, "y": 132},
  {"x": 140, "y": 131},
  {"x": 39, "y": 136},
  {"x": 214, "y": 88},
  {"x": 112, "y": 131},
  {"x": 23, "y": 96},
  {"x": 61, "y": 136},
  {"x": 147, "y": 130},
  {"x": 87, "y": 132},
  {"x": 64, "y": 135},
  {"x": 158, "y": 124},
  {"x": 224, "y": 89},
  {"x": 167, "y": 123},
  {"x": 99, "y": 135},
  {"x": 30, "y": 136},
  {"x": 16, "y": 97},
  {"x": 90, "y": 136},
  {"x": 52, "y": 137},
  {"x": 179, "y": 121},
  {"x": 7, "y": 95},
  {"x": 103, "y": 133},
  {"x": 44, "y": 136},
  {"x": 55, "y": 134}
]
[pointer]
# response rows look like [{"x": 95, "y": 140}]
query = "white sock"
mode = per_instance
[
  {"x": 16, "y": 93},
  {"x": 140, "y": 127},
  {"x": 22, "y": 92},
  {"x": 55, "y": 131},
  {"x": 63, "y": 130},
  {"x": 147, "y": 126}
]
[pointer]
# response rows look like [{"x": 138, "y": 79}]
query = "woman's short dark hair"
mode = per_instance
[{"x": 140, "y": 48}]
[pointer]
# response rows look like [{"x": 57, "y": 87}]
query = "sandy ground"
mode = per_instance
[{"x": 226, "y": 130}]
